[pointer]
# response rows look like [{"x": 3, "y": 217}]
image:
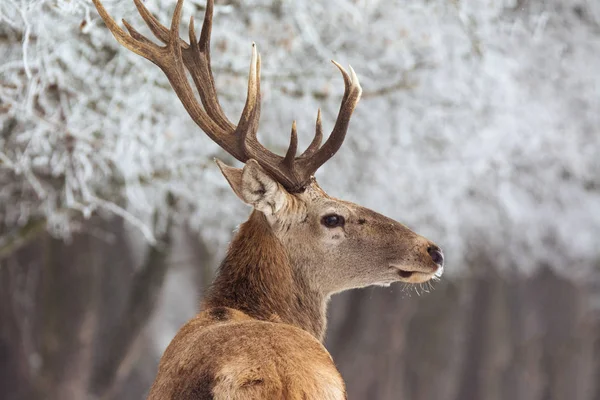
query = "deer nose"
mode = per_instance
[{"x": 436, "y": 254}]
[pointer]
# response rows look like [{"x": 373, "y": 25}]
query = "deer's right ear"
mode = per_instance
[
  {"x": 255, "y": 187},
  {"x": 233, "y": 176}
]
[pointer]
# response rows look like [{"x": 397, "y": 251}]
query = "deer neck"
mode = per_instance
[{"x": 256, "y": 277}]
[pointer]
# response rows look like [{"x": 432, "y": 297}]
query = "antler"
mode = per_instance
[{"x": 240, "y": 141}]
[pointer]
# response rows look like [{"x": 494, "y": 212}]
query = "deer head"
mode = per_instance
[
  {"x": 337, "y": 244},
  {"x": 334, "y": 244}
]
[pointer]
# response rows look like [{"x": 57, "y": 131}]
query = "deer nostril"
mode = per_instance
[{"x": 436, "y": 255}]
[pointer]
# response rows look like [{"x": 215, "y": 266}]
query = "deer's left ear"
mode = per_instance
[{"x": 255, "y": 187}]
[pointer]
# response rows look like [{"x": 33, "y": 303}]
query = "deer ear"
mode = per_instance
[
  {"x": 233, "y": 176},
  {"x": 255, "y": 187}
]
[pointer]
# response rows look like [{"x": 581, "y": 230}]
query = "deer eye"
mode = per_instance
[{"x": 333, "y": 221}]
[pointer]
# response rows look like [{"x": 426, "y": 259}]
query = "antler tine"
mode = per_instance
[
  {"x": 248, "y": 126},
  {"x": 254, "y": 130},
  {"x": 248, "y": 139},
  {"x": 160, "y": 31},
  {"x": 205, "y": 34},
  {"x": 139, "y": 47},
  {"x": 174, "y": 31},
  {"x": 197, "y": 61},
  {"x": 290, "y": 155},
  {"x": 352, "y": 92},
  {"x": 281, "y": 168},
  {"x": 316, "y": 142},
  {"x": 135, "y": 34},
  {"x": 248, "y": 116}
]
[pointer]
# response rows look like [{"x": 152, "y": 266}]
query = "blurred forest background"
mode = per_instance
[{"x": 479, "y": 128}]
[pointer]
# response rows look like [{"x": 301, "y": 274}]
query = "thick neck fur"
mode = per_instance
[{"x": 257, "y": 278}]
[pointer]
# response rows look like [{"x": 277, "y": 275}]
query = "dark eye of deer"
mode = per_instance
[{"x": 333, "y": 220}]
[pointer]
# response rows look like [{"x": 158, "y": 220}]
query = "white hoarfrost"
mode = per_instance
[{"x": 479, "y": 124}]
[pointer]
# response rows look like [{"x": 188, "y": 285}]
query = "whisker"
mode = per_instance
[
  {"x": 406, "y": 289},
  {"x": 417, "y": 290}
]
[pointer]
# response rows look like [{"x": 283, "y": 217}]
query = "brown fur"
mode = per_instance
[
  {"x": 244, "y": 358},
  {"x": 257, "y": 336},
  {"x": 257, "y": 278}
]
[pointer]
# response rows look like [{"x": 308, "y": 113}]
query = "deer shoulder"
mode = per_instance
[{"x": 225, "y": 354}]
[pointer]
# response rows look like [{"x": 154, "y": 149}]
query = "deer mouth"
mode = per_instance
[
  {"x": 405, "y": 274},
  {"x": 412, "y": 276}
]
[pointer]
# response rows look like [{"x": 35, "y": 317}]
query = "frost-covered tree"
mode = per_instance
[{"x": 478, "y": 123}]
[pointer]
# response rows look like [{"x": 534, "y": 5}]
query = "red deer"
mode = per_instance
[{"x": 260, "y": 330}]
